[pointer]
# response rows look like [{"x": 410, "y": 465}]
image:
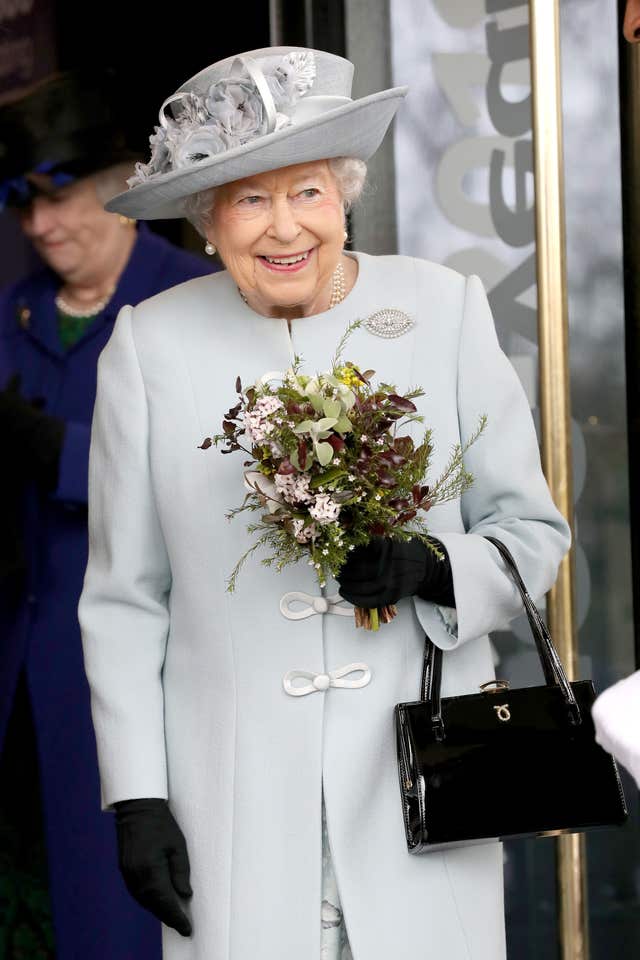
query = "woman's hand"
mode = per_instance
[
  {"x": 385, "y": 570},
  {"x": 152, "y": 856},
  {"x": 32, "y": 440}
]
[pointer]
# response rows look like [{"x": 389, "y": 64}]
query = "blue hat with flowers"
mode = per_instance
[{"x": 254, "y": 112}]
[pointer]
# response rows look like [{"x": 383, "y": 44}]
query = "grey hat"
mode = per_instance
[{"x": 258, "y": 111}]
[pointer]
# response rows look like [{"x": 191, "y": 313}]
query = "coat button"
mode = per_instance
[
  {"x": 322, "y": 681},
  {"x": 320, "y": 604}
]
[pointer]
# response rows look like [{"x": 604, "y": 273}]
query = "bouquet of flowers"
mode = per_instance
[{"x": 329, "y": 467}]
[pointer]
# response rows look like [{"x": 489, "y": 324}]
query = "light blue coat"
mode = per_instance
[{"x": 187, "y": 679}]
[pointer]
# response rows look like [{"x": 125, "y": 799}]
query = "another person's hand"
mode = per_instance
[
  {"x": 616, "y": 717},
  {"x": 32, "y": 440},
  {"x": 152, "y": 856},
  {"x": 386, "y": 570}
]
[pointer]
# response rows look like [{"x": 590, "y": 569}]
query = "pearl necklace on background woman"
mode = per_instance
[{"x": 90, "y": 311}]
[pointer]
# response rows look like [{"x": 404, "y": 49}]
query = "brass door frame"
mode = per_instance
[
  {"x": 629, "y": 59},
  {"x": 555, "y": 410}
]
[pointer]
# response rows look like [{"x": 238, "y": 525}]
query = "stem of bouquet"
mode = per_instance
[{"x": 371, "y": 618}]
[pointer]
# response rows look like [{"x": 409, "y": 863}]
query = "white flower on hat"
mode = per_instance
[
  {"x": 159, "y": 160},
  {"x": 190, "y": 108},
  {"x": 142, "y": 172},
  {"x": 282, "y": 120},
  {"x": 237, "y": 108},
  {"x": 292, "y": 78},
  {"x": 159, "y": 148},
  {"x": 195, "y": 145}
]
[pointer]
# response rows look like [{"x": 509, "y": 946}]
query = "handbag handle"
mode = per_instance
[{"x": 554, "y": 673}]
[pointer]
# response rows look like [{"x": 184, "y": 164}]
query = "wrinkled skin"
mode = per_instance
[{"x": 278, "y": 214}]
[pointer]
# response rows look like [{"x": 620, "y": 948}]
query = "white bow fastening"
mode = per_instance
[
  {"x": 322, "y": 681},
  {"x": 312, "y": 605}
]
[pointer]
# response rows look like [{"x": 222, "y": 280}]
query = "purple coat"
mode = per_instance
[{"x": 93, "y": 914}]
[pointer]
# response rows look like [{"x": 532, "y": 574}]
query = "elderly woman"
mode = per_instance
[
  {"x": 63, "y": 154},
  {"x": 221, "y": 780}
]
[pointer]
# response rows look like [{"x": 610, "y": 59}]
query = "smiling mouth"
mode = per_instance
[{"x": 294, "y": 260}]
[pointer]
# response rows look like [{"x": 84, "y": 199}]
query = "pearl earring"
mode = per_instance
[
  {"x": 209, "y": 248},
  {"x": 346, "y": 235}
]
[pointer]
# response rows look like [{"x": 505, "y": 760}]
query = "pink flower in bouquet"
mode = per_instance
[
  {"x": 256, "y": 421},
  {"x": 294, "y": 487},
  {"x": 304, "y": 532},
  {"x": 324, "y": 510}
]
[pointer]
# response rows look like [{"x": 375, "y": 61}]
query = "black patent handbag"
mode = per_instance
[{"x": 503, "y": 762}]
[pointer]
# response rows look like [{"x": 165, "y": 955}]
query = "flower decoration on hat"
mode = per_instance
[{"x": 252, "y": 101}]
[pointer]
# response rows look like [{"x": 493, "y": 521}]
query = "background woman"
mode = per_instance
[
  {"x": 65, "y": 156},
  {"x": 221, "y": 781}
]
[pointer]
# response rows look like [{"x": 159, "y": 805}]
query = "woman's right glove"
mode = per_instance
[
  {"x": 152, "y": 856},
  {"x": 31, "y": 440}
]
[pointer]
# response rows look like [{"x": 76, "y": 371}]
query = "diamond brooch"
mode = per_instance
[{"x": 389, "y": 323}]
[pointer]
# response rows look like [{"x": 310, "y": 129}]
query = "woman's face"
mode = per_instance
[
  {"x": 295, "y": 212},
  {"x": 631, "y": 26},
  {"x": 68, "y": 226}
]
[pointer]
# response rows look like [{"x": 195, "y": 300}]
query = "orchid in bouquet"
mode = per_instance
[{"x": 329, "y": 467}]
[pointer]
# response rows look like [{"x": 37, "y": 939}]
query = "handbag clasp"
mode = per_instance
[{"x": 494, "y": 686}]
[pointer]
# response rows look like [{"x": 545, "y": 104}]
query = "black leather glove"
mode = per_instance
[
  {"x": 32, "y": 440},
  {"x": 385, "y": 570},
  {"x": 152, "y": 856}
]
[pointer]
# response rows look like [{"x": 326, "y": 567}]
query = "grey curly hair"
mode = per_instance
[{"x": 350, "y": 175}]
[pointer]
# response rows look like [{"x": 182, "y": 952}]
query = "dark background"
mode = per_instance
[{"x": 155, "y": 50}]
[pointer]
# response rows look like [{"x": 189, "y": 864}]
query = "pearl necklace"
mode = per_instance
[
  {"x": 338, "y": 287},
  {"x": 93, "y": 311}
]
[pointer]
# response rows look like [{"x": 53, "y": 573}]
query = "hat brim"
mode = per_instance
[{"x": 353, "y": 130}]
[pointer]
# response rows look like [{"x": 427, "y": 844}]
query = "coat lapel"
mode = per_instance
[{"x": 36, "y": 315}]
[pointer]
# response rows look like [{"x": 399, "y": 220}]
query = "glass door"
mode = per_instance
[{"x": 464, "y": 159}]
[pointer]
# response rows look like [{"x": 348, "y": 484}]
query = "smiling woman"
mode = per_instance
[
  {"x": 252, "y": 820},
  {"x": 280, "y": 235},
  {"x": 284, "y": 225}
]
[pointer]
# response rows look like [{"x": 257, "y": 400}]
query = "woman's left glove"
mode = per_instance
[
  {"x": 385, "y": 570},
  {"x": 32, "y": 440}
]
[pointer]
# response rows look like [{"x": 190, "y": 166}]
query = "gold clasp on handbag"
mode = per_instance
[
  {"x": 494, "y": 686},
  {"x": 497, "y": 686}
]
